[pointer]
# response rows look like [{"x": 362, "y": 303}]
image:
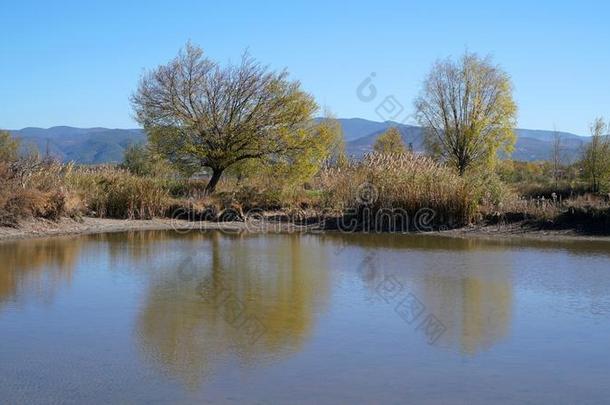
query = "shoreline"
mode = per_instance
[{"x": 40, "y": 228}]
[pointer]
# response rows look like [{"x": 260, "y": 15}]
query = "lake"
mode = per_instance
[{"x": 161, "y": 317}]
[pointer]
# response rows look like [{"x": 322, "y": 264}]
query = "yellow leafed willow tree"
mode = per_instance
[
  {"x": 467, "y": 111},
  {"x": 200, "y": 115},
  {"x": 596, "y": 157}
]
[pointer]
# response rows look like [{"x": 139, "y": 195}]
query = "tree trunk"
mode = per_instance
[
  {"x": 211, "y": 186},
  {"x": 461, "y": 168}
]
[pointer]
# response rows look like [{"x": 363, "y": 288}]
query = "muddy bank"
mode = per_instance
[
  {"x": 521, "y": 230},
  {"x": 44, "y": 228}
]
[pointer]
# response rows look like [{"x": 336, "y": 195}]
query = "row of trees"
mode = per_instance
[{"x": 201, "y": 115}]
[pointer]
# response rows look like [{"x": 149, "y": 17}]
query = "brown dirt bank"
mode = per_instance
[
  {"x": 521, "y": 231},
  {"x": 40, "y": 228}
]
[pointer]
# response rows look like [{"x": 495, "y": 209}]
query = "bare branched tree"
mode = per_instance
[
  {"x": 200, "y": 115},
  {"x": 557, "y": 157},
  {"x": 468, "y": 112}
]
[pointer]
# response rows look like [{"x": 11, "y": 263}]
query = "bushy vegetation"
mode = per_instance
[
  {"x": 538, "y": 179},
  {"x": 544, "y": 195},
  {"x": 405, "y": 183}
]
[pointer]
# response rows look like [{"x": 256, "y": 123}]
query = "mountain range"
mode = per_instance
[
  {"x": 81, "y": 145},
  {"x": 531, "y": 144},
  {"x": 103, "y": 145}
]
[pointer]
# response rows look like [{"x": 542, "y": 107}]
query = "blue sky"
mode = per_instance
[{"x": 76, "y": 63}]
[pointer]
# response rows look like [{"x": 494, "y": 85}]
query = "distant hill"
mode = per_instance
[
  {"x": 82, "y": 145},
  {"x": 357, "y": 128},
  {"x": 410, "y": 135},
  {"x": 103, "y": 145},
  {"x": 530, "y": 145}
]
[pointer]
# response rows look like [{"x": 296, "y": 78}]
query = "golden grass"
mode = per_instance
[
  {"x": 404, "y": 181},
  {"x": 116, "y": 193},
  {"x": 31, "y": 188}
]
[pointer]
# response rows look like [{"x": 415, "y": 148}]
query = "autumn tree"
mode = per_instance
[
  {"x": 140, "y": 160},
  {"x": 596, "y": 156},
  {"x": 297, "y": 166},
  {"x": 390, "y": 142},
  {"x": 467, "y": 110},
  {"x": 199, "y": 114},
  {"x": 9, "y": 147},
  {"x": 300, "y": 166},
  {"x": 335, "y": 152}
]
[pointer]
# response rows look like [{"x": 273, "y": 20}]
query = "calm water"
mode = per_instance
[{"x": 158, "y": 317}]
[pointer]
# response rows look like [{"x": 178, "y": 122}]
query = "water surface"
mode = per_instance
[{"x": 209, "y": 317}]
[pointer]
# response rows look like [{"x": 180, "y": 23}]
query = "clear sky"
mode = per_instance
[{"x": 76, "y": 62}]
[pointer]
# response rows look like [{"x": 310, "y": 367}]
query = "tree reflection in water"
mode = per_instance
[
  {"x": 473, "y": 300},
  {"x": 277, "y": 279},
  {"x": 36, "y": 268}
]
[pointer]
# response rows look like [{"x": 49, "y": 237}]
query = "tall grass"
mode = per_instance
[
  {"x": 116, "y": 193},
  {"x": 406, "y": 182},
  {"x": 585, "y": 211},
  {"x": 31, "y": 187}
]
